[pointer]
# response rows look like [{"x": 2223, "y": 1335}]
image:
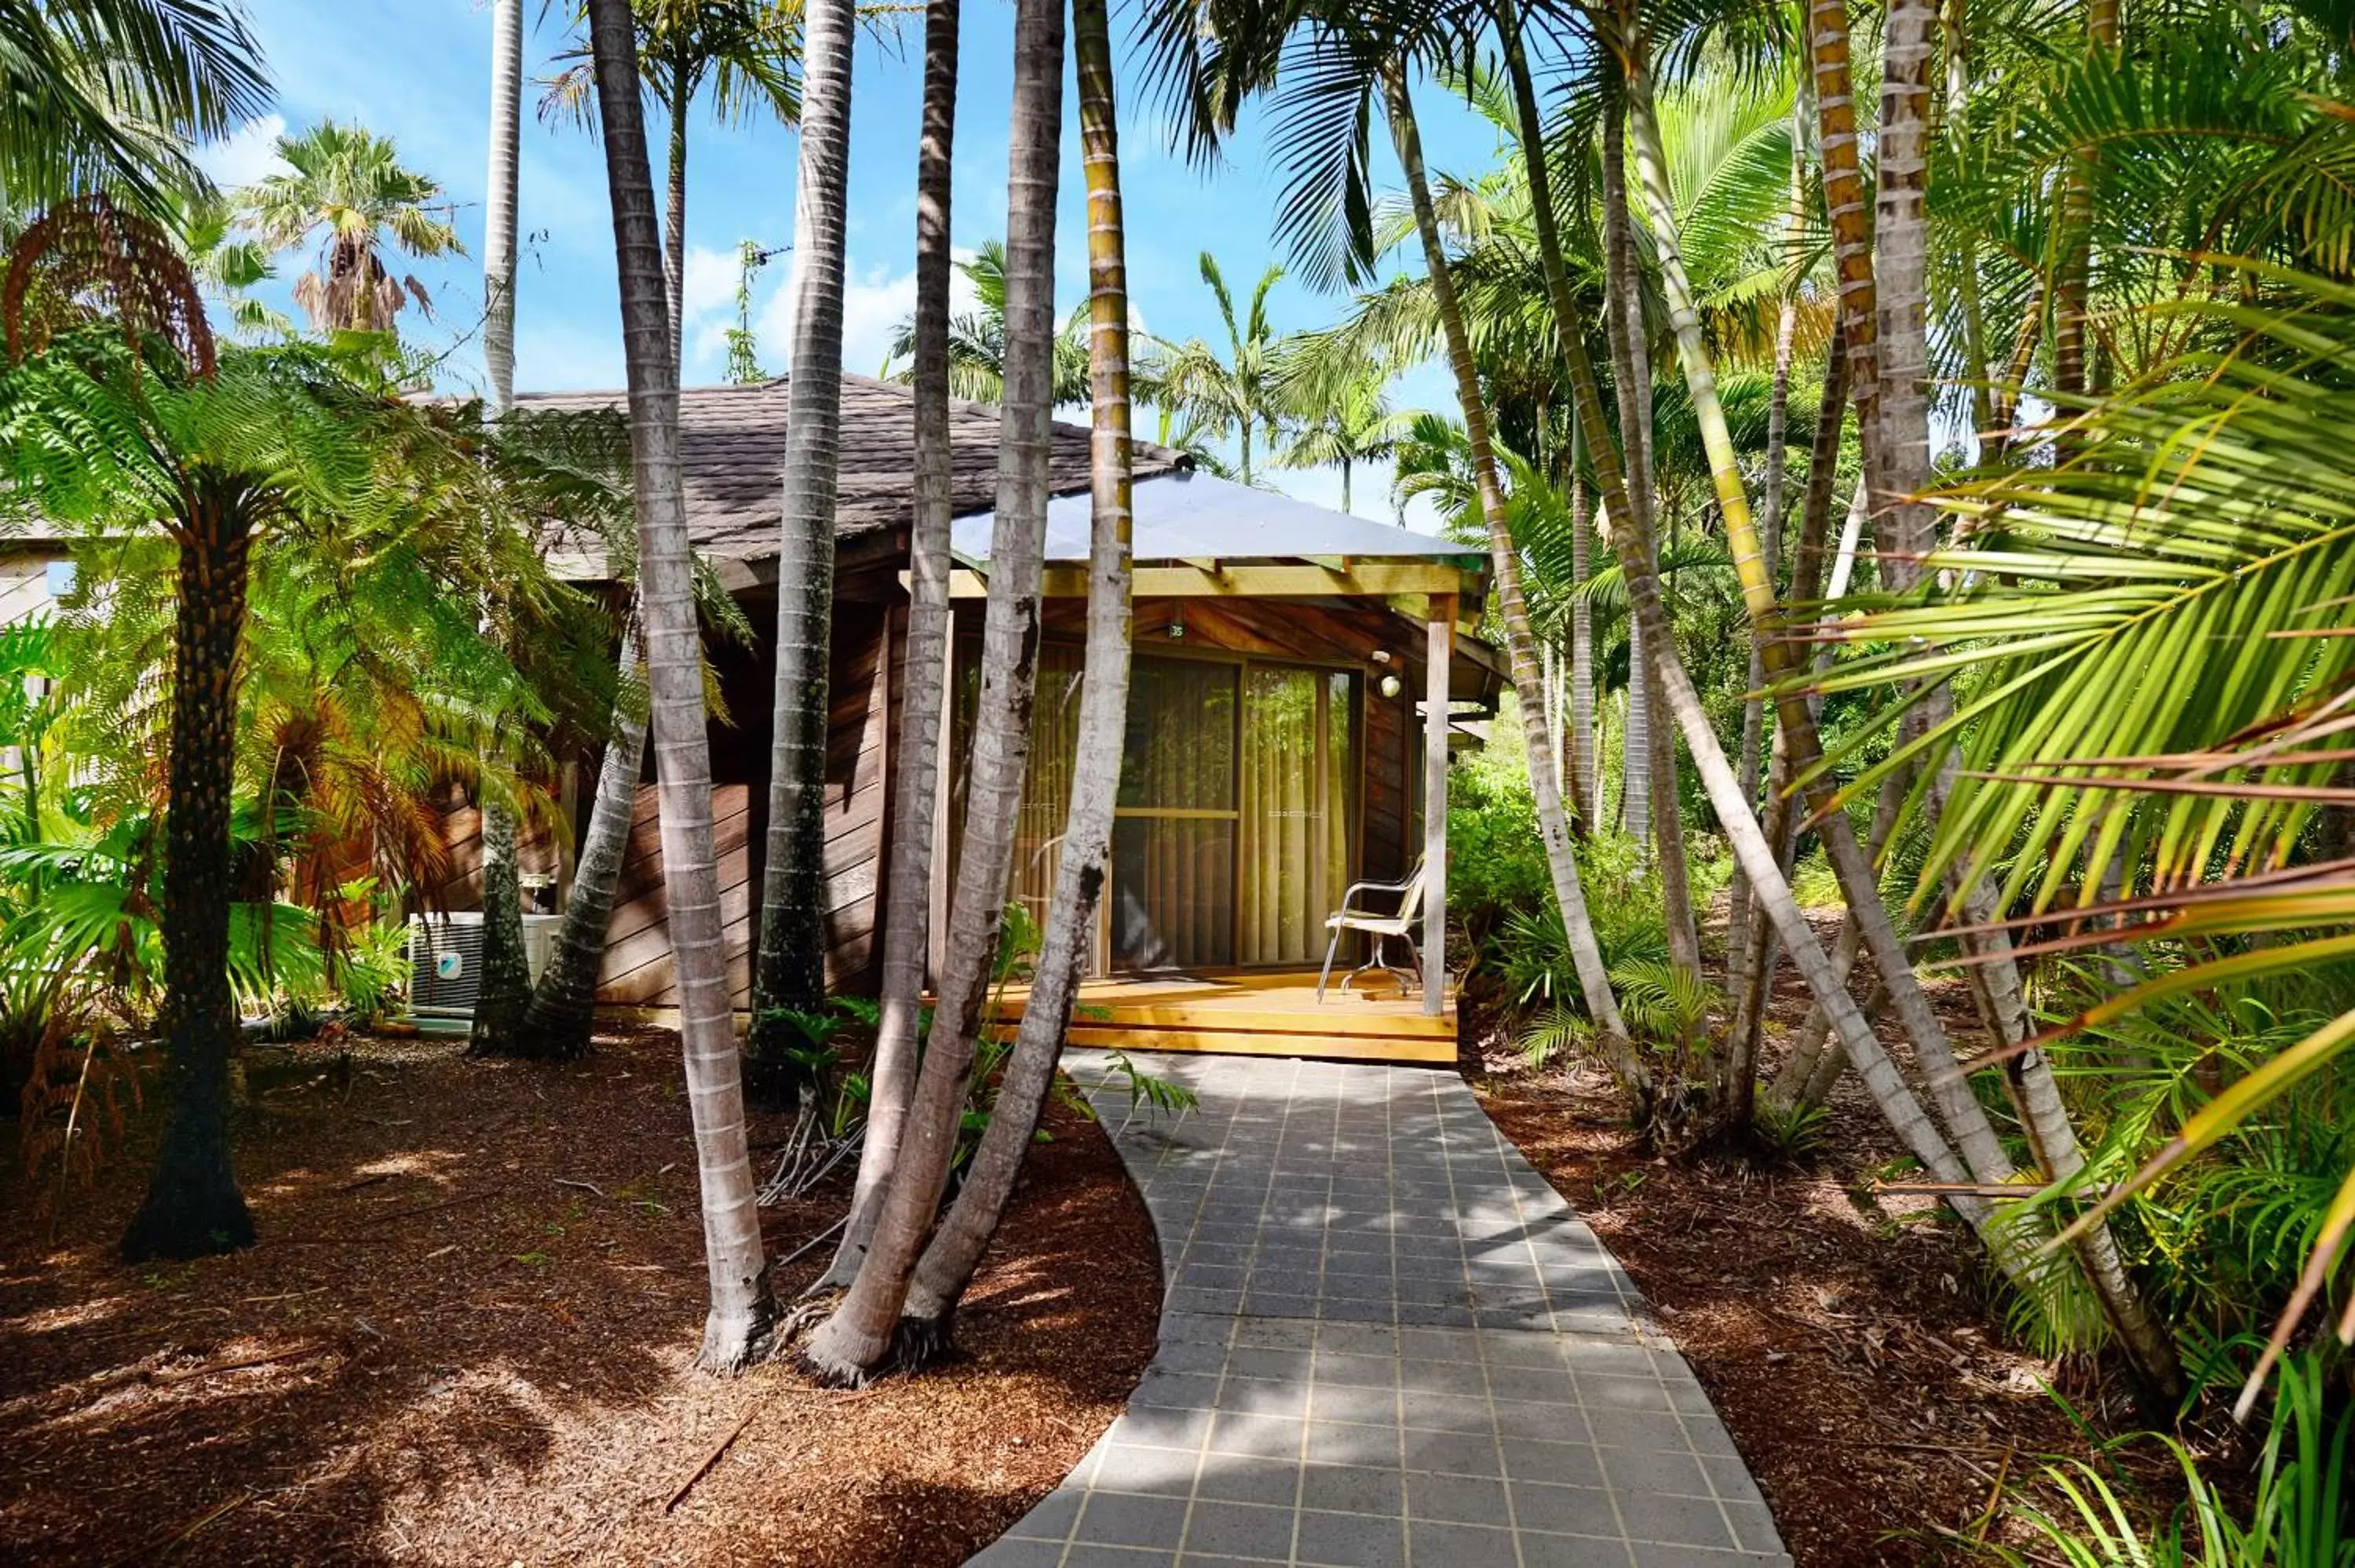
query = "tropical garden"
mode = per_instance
[{"x": 1903, "y": 442}]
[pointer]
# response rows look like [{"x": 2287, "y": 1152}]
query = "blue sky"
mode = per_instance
[{"x": 418, "y": 70}]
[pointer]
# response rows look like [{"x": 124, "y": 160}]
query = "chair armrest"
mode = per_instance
[{"x": 1358, "y": 888}]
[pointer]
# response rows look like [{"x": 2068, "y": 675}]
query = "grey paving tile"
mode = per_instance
[
  {"x": 1241, "y": 1529},
  {"x": 1114, "y": 1519},
  {"x": 1352, "y": 1540},
  {"x": 1387, "y": 1341},
  {"x": 1462, "y": 1545}
]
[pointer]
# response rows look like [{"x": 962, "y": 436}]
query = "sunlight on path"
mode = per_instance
[{"x": 1386, "y": 1341}]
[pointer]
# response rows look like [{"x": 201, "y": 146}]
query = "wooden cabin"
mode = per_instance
[{"x": 1300, "y": 677}]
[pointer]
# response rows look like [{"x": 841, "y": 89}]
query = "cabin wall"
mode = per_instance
[{"x": 637, "y": 970}]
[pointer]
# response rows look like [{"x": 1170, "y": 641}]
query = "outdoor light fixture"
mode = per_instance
[
  {"x": 1390, "y": 685},
  {"x": 1177, "y": 627},
  {"x": 1380, "y": 655}
]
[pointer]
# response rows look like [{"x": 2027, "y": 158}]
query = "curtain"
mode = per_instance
[
  {"x": 1173, "y": 843},
  {"x": 1299, "y": 811}
]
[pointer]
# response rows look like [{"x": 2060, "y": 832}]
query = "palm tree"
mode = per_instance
[
  {"x": 1236, "y": 396},
  {"x": 105, "y": 94},
  {"x": 1355, "y": 424},
  {"x": 738, "y": 1322},
  {"x": 908, "y": 893},
  {"x": 296, "y": 447},
  {"x": 955, "y": 1250},
  {"x": 1552, "y": 821},
  {"x": 348, "y": 188},
  {"x": 505, "y": 993},
  {"x": 855, "y": 1341},
  {"x": 789, "y": 970},
  {"x": 977, "y": 339},
  {"x": 744, "y": 51}
]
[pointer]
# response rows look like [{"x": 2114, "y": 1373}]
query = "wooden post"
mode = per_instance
[{"x": 1439, "y": 632}]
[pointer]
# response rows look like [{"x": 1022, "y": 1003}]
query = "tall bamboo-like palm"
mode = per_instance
[
  {"x": 1355, "y": 425},
  {"x": 1553, "y": 822},
  {"x": 948, "y": 1263},
  {"x": 106, "y": 94},
  {"x": 857, "y": 1339},
  {"x": 1901, "y": 268},
  {"x": 738, "y": 1322},
  {"x": 1235, "y": 396},
  {"x": 348, "y": 188},
  {"x": 789, "y": 971},
  {"x": 504, "y": 991},
  {"x": 742, "y": 51},
  {"x": 908, "y": 893}
]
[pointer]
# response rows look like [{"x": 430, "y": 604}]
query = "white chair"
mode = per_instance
[{"x": 1401, "y": 923}]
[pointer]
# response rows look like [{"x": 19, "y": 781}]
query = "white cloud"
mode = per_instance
[
  {"x": 875, "y": 300},
  {"x": 246, "y": 154},
  {"x": 710, "y": 282}
]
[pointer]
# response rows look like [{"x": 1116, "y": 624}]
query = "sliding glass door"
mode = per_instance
[
  {"x": 1173, "y": 837},
  {"x": 1236, "y": 827}
]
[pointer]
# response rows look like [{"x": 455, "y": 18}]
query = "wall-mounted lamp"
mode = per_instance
[
  {"x": 1177, "y": 627},
  {"x": 1380, "y": 655},
  {"x": 1390, "y": 686}
]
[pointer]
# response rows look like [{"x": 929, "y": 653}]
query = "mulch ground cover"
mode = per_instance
[
  {"x": 466, "y": 1338},
  {"x": 1845, "y": 1335}
]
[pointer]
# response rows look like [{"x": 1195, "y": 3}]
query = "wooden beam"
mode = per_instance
[{"x": 1439, "y": 634}]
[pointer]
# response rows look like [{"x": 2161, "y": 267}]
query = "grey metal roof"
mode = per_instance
[{"x": 1184, "y": 516}]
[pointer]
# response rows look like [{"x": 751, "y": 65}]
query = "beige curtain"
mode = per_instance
[
  {"x": 1298, "y": 807},
  {"x": 1174, "y": 846}
]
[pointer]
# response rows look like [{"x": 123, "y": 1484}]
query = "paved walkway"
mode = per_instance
[{"x": 1386, "y": 1341}]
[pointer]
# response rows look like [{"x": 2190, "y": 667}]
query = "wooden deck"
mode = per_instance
[{"x": 1256, "y": 1012}]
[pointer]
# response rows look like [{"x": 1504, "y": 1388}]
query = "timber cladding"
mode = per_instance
[{"x": 637, "y": 967}]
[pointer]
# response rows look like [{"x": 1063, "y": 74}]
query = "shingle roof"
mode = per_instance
[{"x": 732, "y": 441}]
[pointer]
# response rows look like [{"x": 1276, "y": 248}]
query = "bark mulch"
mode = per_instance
[
  {"x": 467, "y": 1337},
  {"x": 1845, "y": 1335}
]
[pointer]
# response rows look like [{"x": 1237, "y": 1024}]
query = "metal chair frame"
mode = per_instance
[{"x": 1381, "y": 927}]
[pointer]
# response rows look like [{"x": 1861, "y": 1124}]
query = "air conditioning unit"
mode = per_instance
[{"x": 445, "y": 960}]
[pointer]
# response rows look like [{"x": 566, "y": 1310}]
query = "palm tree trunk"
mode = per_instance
[
  {"x": 1749, "y": 940},
  {"x": 1844, "y": 207},
  {"x": 856, "y": 1339},
  {"x": 1553, "y": 824},
  {"x": 736, "y": 1328},
  {"x": 1752, "y": 850},
  {"x": 907, "y": 896},
  {"x": 790, "y": 973},
  {"x": 556, "y": 1026},
  {"x": 1668, "y": 840},
  {"x": 1623, "y": 313},
  {"x": 1345, "y": 485},
  {"x": 1754, "y": 709},
  {"x": 1910, "y": 51},
  {"x": 193, "y": 1206},
  {"x": 1635, "y": 751},
  {"x": 681, "y": 96},
  {"x": 504, "y": 988},
  {"x": 948, "y": 1263},
  {"x": 1586, "y": 784}
]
